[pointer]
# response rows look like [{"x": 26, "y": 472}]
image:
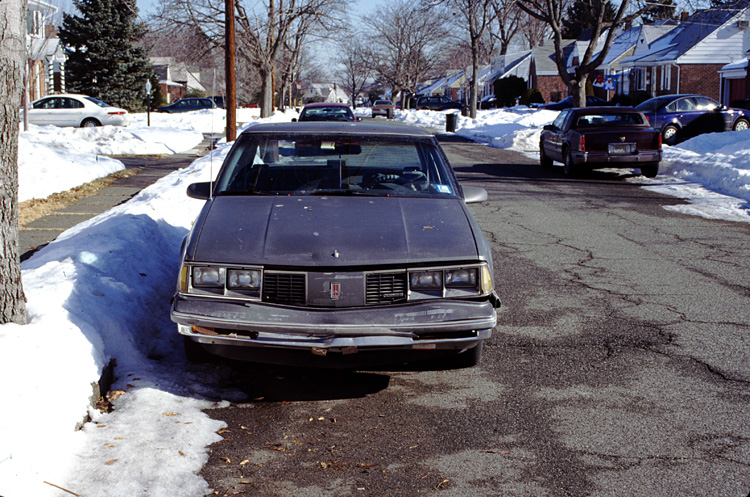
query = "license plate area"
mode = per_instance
[{"x": 622, "y": 148}]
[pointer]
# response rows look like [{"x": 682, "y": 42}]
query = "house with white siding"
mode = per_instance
[{"x": 688, "y": 58}]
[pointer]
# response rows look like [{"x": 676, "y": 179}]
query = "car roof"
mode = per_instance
[
  {"x": 337, "y": 127},
  {"x": 327, "y": 104},
  {"x": 605, "y": 108}
]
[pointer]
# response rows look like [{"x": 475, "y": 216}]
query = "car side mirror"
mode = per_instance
[
  {"x": 473, "y": 194},
  {"x": 549, "y": 127},
  {"x": 200, "y": 191}
]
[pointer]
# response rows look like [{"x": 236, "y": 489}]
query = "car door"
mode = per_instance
[
  {"x": 685, "y": 112},
  {"x": 554, "y": 136},
  {"x": 42, "y": 112},
  {"x": 711, "y": 118},
  {"x": 70, "y": 112}
]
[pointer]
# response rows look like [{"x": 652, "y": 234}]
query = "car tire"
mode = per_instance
[
  {"x": 90, "y": 123},
  {"x": 195, "y": 353},
  {"x": 741, "y": 125},
  {"x": 650, "y": 170},
  {"x": 569, "y": 167},
  {"x": 544, "y": 161},
  {"x": 669, "y": 134}
]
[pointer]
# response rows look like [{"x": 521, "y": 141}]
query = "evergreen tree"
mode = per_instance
[
  {"x": 659, "y": 10},
  {"x": 581, "y": 16},
  {"x": 105, "y": 61}
]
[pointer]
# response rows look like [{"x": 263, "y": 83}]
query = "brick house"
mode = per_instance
[
  {"x": 544, "y": 74},
  {"x": 689, "y": 57}
]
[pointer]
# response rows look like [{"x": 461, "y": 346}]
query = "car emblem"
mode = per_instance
[
  {"x": 335, "y": 291},
  {"x": 335, "y": 254},
  {"x": 622, "y": 138}
]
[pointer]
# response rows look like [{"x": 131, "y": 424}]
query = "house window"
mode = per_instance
[
  {"x": 639, "y": 78},
  {"x": 666, "y": 78},
  {"x": 34, "y": 23}
]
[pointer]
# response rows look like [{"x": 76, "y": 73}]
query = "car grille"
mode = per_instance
[
  {"x": 386, "y": 288},
  {"x": 284, "y": 288}
]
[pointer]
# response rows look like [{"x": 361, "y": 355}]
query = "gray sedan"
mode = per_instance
[{"x": 336, "y": 245}]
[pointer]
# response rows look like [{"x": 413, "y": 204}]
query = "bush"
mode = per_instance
[
  {"x": 508, "y": 89},
  {"x": 531, "y": 96}
]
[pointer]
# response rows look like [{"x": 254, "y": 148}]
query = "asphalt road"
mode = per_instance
[{"x": 619, "y": 367}]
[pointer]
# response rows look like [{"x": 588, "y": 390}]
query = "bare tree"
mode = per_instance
[
  {"x": 356, "y": 63},
  {"x": 533, "y": 31},
  {"x": 12, "y": 52},
  {"x": 475, "y": 17},
  {"x": 551, "y": 12},
  {"x": 508, "y": 21},
  {"x": 264, "y": 29},
  {"x": 406, "y": 42}
]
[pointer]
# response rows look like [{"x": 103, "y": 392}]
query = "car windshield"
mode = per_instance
[
  {"x": 326, "y": 114},
  {"x": 610, "y": 119},
  {"x": 314, "y": 164},
  {"x": 97, "y": 102}
]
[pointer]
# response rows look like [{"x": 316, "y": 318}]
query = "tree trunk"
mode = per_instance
[
  {"x": 12, "y": 301},
  {"x": 578, "y": 90},
  {"x": 266, "y": 92},
  {"x": 474, "y": 80}
]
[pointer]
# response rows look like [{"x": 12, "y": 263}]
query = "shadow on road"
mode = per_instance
[{"x": 266, "y": 383}]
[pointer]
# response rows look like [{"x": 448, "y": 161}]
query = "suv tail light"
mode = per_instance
[{"x": 582, "y": 145}]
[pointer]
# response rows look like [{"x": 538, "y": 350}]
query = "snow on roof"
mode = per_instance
[{"x": 687, "y": 35}]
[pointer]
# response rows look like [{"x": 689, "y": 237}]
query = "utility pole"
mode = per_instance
[{"x": 229, "y": 67}]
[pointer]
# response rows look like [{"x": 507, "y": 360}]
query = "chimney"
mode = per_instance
[{"x": 684, "y": 15}]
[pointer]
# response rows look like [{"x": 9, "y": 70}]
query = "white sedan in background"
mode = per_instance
[{"x": 76, "y": 110}]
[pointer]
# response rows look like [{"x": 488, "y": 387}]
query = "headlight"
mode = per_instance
[
  {"x": 243, "y": 279},
  {"x": 204, "y": 276},
  {"x": 461, "y": 278},
  {"x": 426, "y": 280}
]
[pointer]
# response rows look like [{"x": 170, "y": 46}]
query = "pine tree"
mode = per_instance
[
  {"x": 105, "y": 61},
  {"x": 581, "y": 16}
]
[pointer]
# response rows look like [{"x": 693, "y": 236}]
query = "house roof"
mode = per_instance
[
  {"x": 677, "y": 44},
  {"x": 515, "y": 64},
  {"x": 544, "y": 57}
]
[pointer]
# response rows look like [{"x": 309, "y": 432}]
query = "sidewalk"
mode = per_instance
[{"x": 40, "y": 232}]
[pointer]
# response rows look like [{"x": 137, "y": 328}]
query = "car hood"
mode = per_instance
[{"x": 332, "y": 231}]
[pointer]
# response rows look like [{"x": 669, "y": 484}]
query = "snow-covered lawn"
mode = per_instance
[{"x": 101, "y": 292}]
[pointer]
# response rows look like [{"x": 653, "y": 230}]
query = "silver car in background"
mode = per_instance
[
  {"x": 76, "y": 110},
  {"x": 336, "y": 245}
]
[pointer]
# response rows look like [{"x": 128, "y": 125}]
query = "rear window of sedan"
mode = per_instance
[
  {"x": 383, "y": 102},
  {"x": 336, "y": 165},
  {"x": 610, "y": 119},
  {"x": 326, "y": 114}
]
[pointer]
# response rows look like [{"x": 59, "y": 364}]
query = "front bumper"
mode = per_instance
[
  {"x": 605, "y": 158},
  {"x": 453, "y": 325}
]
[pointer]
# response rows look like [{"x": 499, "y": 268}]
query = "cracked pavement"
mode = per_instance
[{"x": 619, "y": 366}]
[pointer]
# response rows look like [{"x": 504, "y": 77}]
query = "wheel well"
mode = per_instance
[{"x": 91, "y": 119}]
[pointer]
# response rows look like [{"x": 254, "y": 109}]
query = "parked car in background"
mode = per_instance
[
  {"x": 601, "y": 137},
  {"x": 567, "y": 103},
  {"x": 439, "y": 103},
  {"x": 188, "y": 105},
  {"x": 76, "y": 110},
  {"x": 488, "y": 102},
  {"x": 679, "y": 117},
  {"x": 331, "y": 245},
  {"x": 326, "y": 111},
  {"x": 218, "y": 100},
  {"x": 383, "y": 108}
]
